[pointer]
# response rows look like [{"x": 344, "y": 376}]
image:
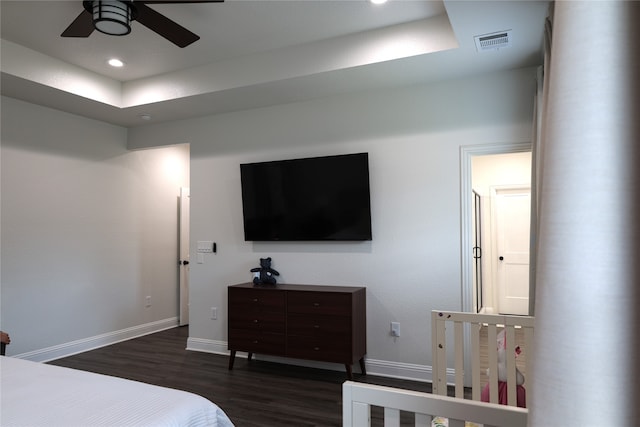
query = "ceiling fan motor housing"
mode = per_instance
[{"x": 111, "y": 16}]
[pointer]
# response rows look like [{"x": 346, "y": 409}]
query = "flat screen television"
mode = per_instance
[{"x": 311, "y": 199}]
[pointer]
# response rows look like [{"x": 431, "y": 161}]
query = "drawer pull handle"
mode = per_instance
[
  {"x": 255, "y": 300},
  {"x": 255, "y": 341},
  {"x": 316, "y": 348},
  {"x": 255, "y": 320},
  {"x": 316, "y": 304},
  {"x": 316, "y": 326}
]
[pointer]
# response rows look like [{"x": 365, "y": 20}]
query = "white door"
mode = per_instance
[
  {"x": 183, "y": 262},
  {"x": 512, "y": 224}
]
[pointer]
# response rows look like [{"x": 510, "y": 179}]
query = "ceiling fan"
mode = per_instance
[{"x": 114, "y": 17}]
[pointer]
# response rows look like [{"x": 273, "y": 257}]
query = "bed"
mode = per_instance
[
  {"x": 452, "y": 333},
  {"x": 37, "y": 394}
]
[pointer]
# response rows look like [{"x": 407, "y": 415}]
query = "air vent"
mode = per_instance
[{"x": 493, "y": 41}]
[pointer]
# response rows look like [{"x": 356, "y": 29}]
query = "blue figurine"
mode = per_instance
[{"x": 267, "y": 274}]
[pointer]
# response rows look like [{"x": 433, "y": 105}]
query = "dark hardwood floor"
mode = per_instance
[{"x": 256, "y": 393}]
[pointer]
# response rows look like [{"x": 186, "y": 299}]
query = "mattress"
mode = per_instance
[{"x": 36, "y": 394}]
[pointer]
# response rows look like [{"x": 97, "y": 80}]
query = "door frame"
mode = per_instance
[
  {"x": 466, "y": 209},
  {"x": 183, "y": 254},
  {"x": 477, "y": 255}
]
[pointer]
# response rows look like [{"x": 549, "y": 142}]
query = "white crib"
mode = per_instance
[
  {"x": 358, "y": 398},
  {"x": 473, "y": 323}
]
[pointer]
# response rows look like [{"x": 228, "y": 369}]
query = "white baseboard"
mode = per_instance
[
  {"x": 383, "y": 368},
  {"x": 405, "y": 371},
  {"x": 380, "y": 368},
  {"x": 207, "y": 346},
  {"x": 91, "y": 343},
  {"x": 487, "y": 310}
]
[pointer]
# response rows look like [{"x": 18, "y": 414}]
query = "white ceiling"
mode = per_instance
[{"x": 254, "y": 53}]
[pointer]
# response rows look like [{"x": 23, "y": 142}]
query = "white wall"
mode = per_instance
[
  {"x": 413, "y": 136},
  {"x": 89, "y": 229},
  {"x": 500, "y": 169}
]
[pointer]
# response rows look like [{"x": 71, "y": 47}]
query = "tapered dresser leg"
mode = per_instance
[
  {"x": 362, "y": 368},
  {"x": 349, "y": 371},
  {"x": 232, "y": 358}
]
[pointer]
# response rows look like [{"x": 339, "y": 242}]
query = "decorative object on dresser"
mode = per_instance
[
  {"x": 321, "y": 323},
  {"x": 264, "y": 275}
]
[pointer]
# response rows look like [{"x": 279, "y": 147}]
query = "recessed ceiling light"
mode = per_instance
[
  {"x": 114, "y": 62},
  {"x": 378, "y": 1}
]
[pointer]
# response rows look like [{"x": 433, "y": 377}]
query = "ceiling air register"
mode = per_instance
[{"x": 493, "y": 41}]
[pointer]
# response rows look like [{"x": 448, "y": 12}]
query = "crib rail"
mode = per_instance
[
  {"x": 358, "y": 398},
  {"x": 441, "y": 320}
]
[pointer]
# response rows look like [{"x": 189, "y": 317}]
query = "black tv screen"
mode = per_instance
[{"x": 319, "y": 198}]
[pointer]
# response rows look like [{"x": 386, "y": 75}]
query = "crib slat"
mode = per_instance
[
  {"x": 492, "y": 351},
  {"x": 528, "y": 344},
  {"x": 423, "y": 420},
  {"x": 361, "y": 414},
  {"x": 459, "y": 359},
  {"x": 456, "y": 423},
  {"x": 347, "y": 405},
  {"x": 391, "y": 417},
  {"x": 439, "y": 354},
  {"x": 475, "y": 362},
  {"x": 510, "y": 335}
]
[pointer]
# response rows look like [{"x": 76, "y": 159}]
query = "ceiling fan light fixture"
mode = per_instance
[{"x": 112, "y": 17}]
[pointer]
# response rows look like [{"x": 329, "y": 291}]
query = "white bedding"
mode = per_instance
[{"x": 36, "y": 394}]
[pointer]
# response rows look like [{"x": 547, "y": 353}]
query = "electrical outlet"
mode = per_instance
[
  {"x": 214, "y": 313},
  {"x": 147, "y": 301},
  {"x": 395, "y": 329}
]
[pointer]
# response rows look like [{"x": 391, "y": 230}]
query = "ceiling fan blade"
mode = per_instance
[
  {"x": 164, "y": 26},
  {"x": 82, "y": 26}
]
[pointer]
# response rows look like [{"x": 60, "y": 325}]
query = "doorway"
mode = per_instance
[{"x": 483, "y": 170}]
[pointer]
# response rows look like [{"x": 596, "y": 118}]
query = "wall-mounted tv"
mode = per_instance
[{"x": 311, "y": 199}]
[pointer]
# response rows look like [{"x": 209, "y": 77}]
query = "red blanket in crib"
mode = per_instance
[{"x": 502, "y": 394}]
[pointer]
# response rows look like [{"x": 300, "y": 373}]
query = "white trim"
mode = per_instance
[
  {"x": 208, "y": 346},
  {"x": 91, "y": 343},
  {"x": 381, "y": 368},
  {"x": 405, "y": 371},
  {"x": 466, "y": 153}
]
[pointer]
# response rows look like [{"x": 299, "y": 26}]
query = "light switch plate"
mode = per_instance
[{"x": 205, "y": 246}]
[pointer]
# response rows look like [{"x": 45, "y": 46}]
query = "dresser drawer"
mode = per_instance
[
  {"x": 257, "y": 342},
  {"x": 256, "y": 299},
  {"x": 319, "y": 303},
  {"x": 318, "y": 348},
  {"x": 266, "y": 321},
  {"x": 319, "y": 325}
]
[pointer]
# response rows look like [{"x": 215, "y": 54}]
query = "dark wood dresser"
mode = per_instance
[{"x": 321, "y": 323}]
